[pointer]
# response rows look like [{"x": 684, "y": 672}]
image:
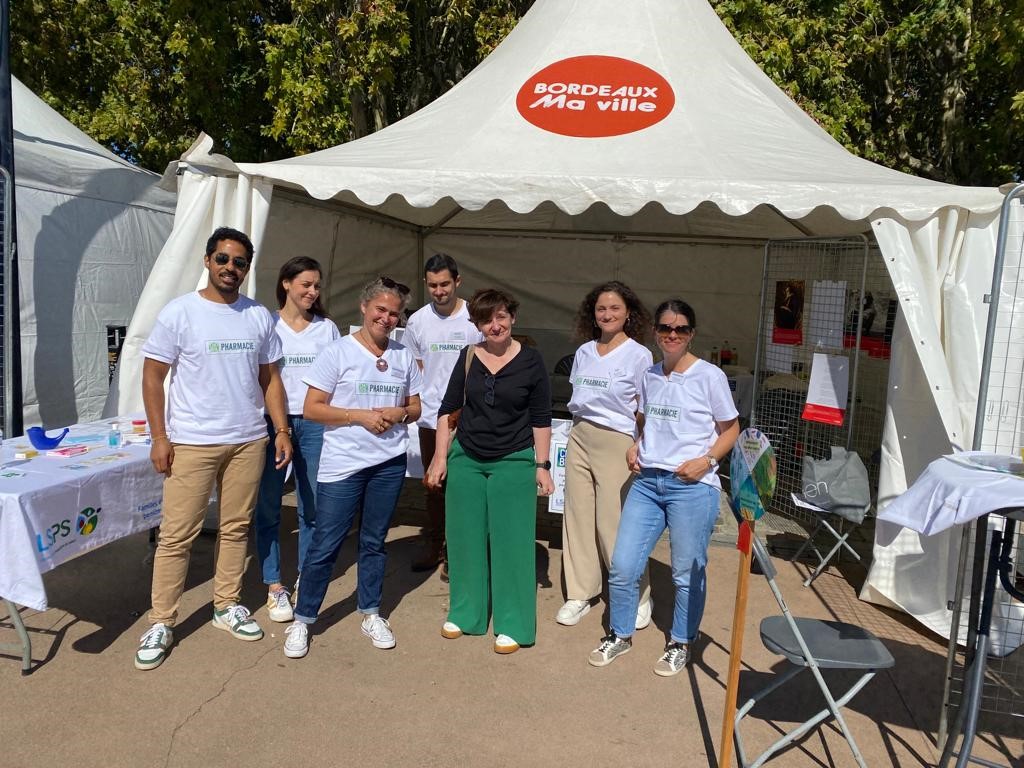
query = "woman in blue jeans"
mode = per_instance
[
  {"x": 689, "y": 424},
  {"x": 364, "y": 389},
  {"x": 304, "y": 329}
]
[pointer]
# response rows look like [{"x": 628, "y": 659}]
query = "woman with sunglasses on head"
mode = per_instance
[
  {"x": 302, "y": 325},
  {"x": 495, "y": 466},
  {"x": 364, "y": 388},
  {"x": 606, "y": 374},
  {"x": 689, "y": 425}
]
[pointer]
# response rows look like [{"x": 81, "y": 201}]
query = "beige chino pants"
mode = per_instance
[
  {"x": 236, "y": 470},
  {"x": 597, "y": 480}
]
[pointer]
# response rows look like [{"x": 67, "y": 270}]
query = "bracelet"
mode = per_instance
[
  {"x": 159, "y": 437},
  {"x": 348, "y": 419},
  {"x": 285, "y": 430}
]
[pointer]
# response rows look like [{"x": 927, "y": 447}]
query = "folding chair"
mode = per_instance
[
  {"x": 840, "y": 537},
  {"x": 811, "y": 644}
]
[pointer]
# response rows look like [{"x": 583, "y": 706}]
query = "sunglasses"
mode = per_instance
[
  {"x": 239, "y": 261},
  {"x": 394, "y": 285},
  {"x": 664, "y": 329}
]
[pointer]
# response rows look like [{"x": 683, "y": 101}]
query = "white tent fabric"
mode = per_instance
[
  {"x": 90, "y": 226},
  {"x": 541, "y": 195}
]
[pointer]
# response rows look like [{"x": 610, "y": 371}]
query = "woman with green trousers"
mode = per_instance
[{"x": 496, "y": 464}]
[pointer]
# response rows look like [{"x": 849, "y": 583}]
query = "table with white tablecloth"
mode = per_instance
[{"x": 53, "y": 509}]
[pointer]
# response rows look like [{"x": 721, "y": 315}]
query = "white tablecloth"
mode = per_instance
[
  {"x": 52, "y": 510},
  {"x": 916, "y": 550},
  {"x": 951, "y": 492}
]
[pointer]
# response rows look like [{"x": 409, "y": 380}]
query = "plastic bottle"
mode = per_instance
[
  {"x": 714, "y": 356},
  {"x": 726, "y": 356},
  {"x": 114, "y": 438},
  {"x": 735, "y": 356}
]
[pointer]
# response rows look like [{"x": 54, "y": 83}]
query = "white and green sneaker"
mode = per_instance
[
  {"x": 153, "y": 647},
  {"x": 236, "y": 620}
]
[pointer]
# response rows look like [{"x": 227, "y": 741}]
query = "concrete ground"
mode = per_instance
[{"x": 217, "y": 701}]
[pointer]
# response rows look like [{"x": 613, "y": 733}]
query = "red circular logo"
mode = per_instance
[{"x": 592, "y": 96}]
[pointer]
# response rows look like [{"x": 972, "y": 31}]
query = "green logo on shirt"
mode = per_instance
[
  {"x": 377, "y": 388},
  {"x": 590, "y": 382},
  {"x": 300, "y": 361},
  {"x": 447, "y": 346},
  {"x": 230, "y": 347},
  {"x": 663, "y": 412}
]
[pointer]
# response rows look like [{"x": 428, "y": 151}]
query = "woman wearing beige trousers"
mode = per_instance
[{"x": 605, "y": 378}]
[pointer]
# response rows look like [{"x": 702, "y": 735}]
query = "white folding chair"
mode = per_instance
[{"x": 815, "y": 645}]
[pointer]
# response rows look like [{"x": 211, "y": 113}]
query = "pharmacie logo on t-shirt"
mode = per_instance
[
  {"x": 595, "y": 96},
  {"x": 663, "y": 412},
  {"x": 591, "y": 382},
  {"x": 230, "y": 346},
  {"x": 297, "y": 361},
  {"x": 379, "y": 388},
  {"x": 446, "y": 346}
]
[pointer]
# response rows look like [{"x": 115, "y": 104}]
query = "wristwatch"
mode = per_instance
[
  {"x": 405, "y": 415},
  {"x": 712, "y": 462},
  {"x": 544, "y": 465}
]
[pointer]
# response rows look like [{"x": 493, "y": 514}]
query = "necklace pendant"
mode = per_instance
[{"x": 382, "y": 364}]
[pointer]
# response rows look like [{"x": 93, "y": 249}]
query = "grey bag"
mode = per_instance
[{"x": 839, "y": 484}]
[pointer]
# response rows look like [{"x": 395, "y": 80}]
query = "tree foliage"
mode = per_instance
[{"x": 933, "y": 88}]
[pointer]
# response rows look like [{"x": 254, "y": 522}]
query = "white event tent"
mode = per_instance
[
  {"x": 90, "y": 227},
  {"x": 635, "y": 141}
]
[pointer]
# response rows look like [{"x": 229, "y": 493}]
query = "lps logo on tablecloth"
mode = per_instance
[{"x": 59, "y": 535}]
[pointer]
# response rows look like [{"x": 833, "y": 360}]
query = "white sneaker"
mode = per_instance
[
  {"x": 379, "y": 631},
  {"x": 296, "y": 643},
  {"x": 570, "y": 614},
  {"x": 237, "y": 620},
  {"x": 643, "y": 615},
  {"x": 450, "y": 630},
  {"x": 153, "y": 647},
  {"x": 504, "y": 644},
  {"x": 278, "y": 606}
]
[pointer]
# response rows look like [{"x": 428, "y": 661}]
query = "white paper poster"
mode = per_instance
[
  {"x": 825, "y": 323},
  {"x": 828, "y": 389}
]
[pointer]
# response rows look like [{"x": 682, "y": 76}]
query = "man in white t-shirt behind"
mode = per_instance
[
  {"x": 221, "y": 351},
  {"x": 435, "y": 334}
]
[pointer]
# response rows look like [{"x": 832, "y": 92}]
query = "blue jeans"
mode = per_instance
[
  {"x": 307, "y": 441},
  {"x": 659, "y": 499},
  {"x": 374, "y": 489}
]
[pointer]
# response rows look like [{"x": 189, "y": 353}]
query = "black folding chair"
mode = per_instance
[{"x": 815, "y": 645}]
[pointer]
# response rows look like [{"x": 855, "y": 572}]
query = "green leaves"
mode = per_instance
[{"x": 933, "y": 88}]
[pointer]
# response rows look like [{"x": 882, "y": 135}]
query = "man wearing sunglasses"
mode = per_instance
[
  {"x": 436, "y": 334},
  {"x": 221, "y": 352}
]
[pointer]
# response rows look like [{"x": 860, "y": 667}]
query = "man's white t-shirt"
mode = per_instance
[
  {"x": 436, "y": 340},
  {"x": 214, "y": 350},
  {"x": 347, "y": 371},
  {"x": 606, "y": 388},
  {"x": 299, "y": 350},
  {"x": 680, "y": 414}
]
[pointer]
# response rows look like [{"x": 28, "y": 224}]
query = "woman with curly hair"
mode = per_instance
[{"x": 606, "y": 374}]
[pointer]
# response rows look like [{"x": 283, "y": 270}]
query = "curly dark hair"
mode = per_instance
[{"x": 638, "y": 321}]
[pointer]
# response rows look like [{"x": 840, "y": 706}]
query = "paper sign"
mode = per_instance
[
  {"x": 825, "y": 322},
  {"x": 828, "y": 390}
]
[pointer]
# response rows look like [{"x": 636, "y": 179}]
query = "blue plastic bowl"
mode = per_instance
[{"x": 41, "y": 441}]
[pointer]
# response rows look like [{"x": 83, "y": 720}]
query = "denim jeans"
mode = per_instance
[
  {"x": 375, "y": 490},
  {"x": 307, "y": 441},
  {"x": 660, "y": 499}
]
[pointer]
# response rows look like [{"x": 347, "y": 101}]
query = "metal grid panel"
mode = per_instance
[
  {"x": 847, "y": 303},
  {"x": 1000, "y": 429}
]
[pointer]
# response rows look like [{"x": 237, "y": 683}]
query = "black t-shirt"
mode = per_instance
[{"x": 495, "y": 425}]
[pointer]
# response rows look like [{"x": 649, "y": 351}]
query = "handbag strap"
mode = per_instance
[{"x": 470, "y": 351}]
